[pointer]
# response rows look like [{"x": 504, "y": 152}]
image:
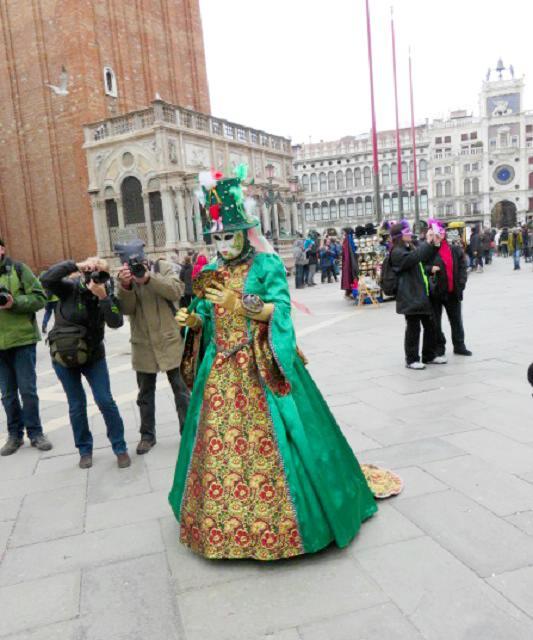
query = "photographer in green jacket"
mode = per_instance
[{"x": 21, "y": 296}]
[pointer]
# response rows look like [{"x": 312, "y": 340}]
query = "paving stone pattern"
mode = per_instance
[{"x": 93, "y": 555}]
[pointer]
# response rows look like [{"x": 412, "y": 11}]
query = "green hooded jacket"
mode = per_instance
[{"x": 18, "y": 326}]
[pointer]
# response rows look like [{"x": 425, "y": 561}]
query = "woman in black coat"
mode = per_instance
[{"x": 412, "y": 297}]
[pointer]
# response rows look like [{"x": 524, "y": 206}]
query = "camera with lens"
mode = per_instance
[
  {"x": 137, "y": 267},
  {"x": 4, "y": 296},
  {"x": 98, "y": 277}
]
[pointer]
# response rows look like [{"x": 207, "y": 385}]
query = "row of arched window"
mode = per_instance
[
  {"x": 356, "y": 178},
  {"x": 352, "y": 207},
  {"x": 133, "y": 204},
  {"x": 470, "y": 185}
]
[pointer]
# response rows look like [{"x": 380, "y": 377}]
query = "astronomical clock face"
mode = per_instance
[
  {"x": 503, "y": 174},
  {"x": 505, "y": 105}
]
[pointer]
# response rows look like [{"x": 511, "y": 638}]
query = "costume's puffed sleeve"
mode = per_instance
[{"x": 275, "y": 343}]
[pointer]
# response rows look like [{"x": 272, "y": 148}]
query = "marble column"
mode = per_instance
[
  {"x": 120, "y": 213},
  {"x": 169, "y": 218},
  {"x": 148, "y": 221},
  {"x": 189, "y": 214},
  {"x": 182, "y": 221},
  {"x": 197, "y": 219},
  {"x": 101, "y": 231},
  {"x": 265, "y": 217},
  {"x": 294, "y": 218}
]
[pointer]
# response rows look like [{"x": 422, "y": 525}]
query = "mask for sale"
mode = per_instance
[{"x": 230, "y": 245}]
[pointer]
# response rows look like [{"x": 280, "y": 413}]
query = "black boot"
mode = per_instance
[{"x": 12, "y": 445}]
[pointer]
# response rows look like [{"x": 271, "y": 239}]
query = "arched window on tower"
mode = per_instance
[
  {"x": 323, "y": 182},
  {"x": 349, "y": 179},
  {"x": 359, "y": 206},
  {"x": 350, "y": 207},
  {"x": 340, "y": 181},
  {"x": 385, "y": 174},
  {"x": 394, "y": 173},
  {"x": 448, "y": 188},
  {"x": 342, "y": 209},
  {"x": 423, "y": 170},
  {"x": 307, "y": 209},
  {"x": 305, "y": 182},
  {"x": 475, "y": 185},
  {"x": 110, "y": 82},
  {"x": 333, "y": 209},
  {"x": 325, "y": 211},
  {"x": 424, "y": 200},
  {"x": 357, "y": 177},
  {"x": 386, "y": 204},
  {"x": 314, "y": 183},
  {"x": 466, "y": 187},
  {"x": 368, "y": 206},
  {"x": 331, "y": 181},
  {"x": 395, "y": 204},
  {"x": 132, "y": 201},
  {"x": 316, "y": 211},
  {"x": 367, "y": 177},
  {"x": 438, "y": 189}
]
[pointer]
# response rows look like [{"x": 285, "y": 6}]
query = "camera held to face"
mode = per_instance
[
  {"x": 137, "y": 267},
  {"x": 4, "y": 296},
  {"x": 98, "y": 277}
]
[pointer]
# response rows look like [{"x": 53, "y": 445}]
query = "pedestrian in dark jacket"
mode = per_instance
[
  {"x": 486, "y": 240},
  {"x": 186, "y": 278},
  {"x": 476, "y": 249},
  {"x": 412, "y": 297},
  {"x": 448, "y": 273},
  {"x": 88, "y": 303}
]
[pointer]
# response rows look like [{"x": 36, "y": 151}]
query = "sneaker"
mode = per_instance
[
  {"x": 462, "y": 351},
  {"x": 144, "y": 446},
  {"x": 12, "y": 445},
  {"x": 123, "y": 460},
  {"x": 41, "y": 442},
  {"x": 438, "y": 360},
  {"x": 86, "y": 461},
  {"x": 415, "y": 365}
]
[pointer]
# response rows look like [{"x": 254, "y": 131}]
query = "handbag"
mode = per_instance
[{"x": 68, "y": 343}]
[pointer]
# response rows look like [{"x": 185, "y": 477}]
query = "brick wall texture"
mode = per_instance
[{"x": 153, "y": 46}]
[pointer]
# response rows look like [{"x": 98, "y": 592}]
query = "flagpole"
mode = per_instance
[
  {"x": 413, "y": 136},
  {"x": 377, "y": 197},
  {"x": 398, "y": 143}
]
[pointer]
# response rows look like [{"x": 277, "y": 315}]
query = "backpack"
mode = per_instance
[
  {"x": 68, "y": 342},
  {"x": 389, "y": 277}
]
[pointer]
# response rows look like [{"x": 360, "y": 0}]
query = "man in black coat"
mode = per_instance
[{"x": 448, "y": 274}]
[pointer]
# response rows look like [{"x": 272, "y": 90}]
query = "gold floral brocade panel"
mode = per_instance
[{"x": 236, "y": 502}]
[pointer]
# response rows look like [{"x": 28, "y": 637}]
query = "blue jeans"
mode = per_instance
[
  {"x": 516, "y": 257},
  {"x": 17, "y": 376},
  {"x": 97, "y": 375}
]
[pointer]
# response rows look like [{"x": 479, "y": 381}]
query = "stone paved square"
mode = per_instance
[{"x": 94, "y": 555}]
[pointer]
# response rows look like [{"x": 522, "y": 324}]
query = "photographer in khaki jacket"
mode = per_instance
[{"x": 147, "y": 296}]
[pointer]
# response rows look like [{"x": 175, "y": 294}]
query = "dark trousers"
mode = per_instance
[
  {"x": 299, "y": 275},
  {"x": 413, "y": 324},
  {"x": 146, "y": 400},
  {"x": 452, "y": 305},
  {"x": 48, "y": 311},
  {"x": 329, "y": 273},
  {"x": 17, "y": 377},
  {"x": 97, "y": 375}
]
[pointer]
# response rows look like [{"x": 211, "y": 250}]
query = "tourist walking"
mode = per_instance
[
  {"x": 412, "y": 297},
  {"x": 86, "y": 305},
  {"x": 486, "y": 240},
  {"x": 21, "y": 296},
  {"x": 185, "y": 276},
  {"x": 504, "y": 242},
  {"x": 476, "y": 249},
  {"x": 448, "y": 273},
  {"x": 300, "y": 260},
  {"x": 312, "y": 257},
  {"x": 147, "y": 296},
  {"x": 515, "y": 247}
]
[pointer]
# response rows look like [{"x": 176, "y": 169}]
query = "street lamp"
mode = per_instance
[
  {"x": 296, "y": 190},
  {"x": 271, "y": 200}
]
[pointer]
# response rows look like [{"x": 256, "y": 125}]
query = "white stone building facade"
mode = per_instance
[
  {"x": 143, "y": 169},
  {"x": 477, "y": 169}
]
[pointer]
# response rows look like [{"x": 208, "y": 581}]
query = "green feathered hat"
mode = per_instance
[{"x": 223, "y": 198}]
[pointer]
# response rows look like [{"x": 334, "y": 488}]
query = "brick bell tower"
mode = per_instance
[{"x": 103, "y": 58}]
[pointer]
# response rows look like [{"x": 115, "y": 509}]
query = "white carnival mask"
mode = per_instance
[{"x": 229, "y": 245}]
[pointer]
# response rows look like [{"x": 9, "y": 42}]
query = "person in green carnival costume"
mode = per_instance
[{"x": 263, "y": 470}]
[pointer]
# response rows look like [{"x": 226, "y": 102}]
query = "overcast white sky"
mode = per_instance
[{"x": 299, "y": 67}]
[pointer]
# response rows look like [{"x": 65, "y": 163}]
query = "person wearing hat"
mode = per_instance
[
  {"x": 263, "y": 470},
  {"x": 86, "y": 306},
  {"x": 149, "y": 297},
  {"x": 21, "y": 296},
  {"x": 412, "y": 297}
]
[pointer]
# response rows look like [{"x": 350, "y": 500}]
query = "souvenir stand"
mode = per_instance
[{"x": 370, "y": 253}]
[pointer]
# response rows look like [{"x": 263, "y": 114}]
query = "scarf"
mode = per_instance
[{"x": 445, "y": 253}]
